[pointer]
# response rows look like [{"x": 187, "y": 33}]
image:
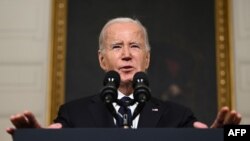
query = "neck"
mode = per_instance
[{"x": 126, "y": 88}]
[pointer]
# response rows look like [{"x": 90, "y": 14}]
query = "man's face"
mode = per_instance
[{"x": 124, "y": 50}]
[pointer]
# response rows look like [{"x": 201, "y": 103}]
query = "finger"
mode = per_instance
[
  {"x": 219, "y": 121},
  {"x": 222, "y": 114},
  {"x": 230, "y": 118},
  {"x": 238, "y": 119},
  {"x": 10, "y": 130},
  {"x": 33, "y": 123},
  {"x": 201, "y": 125},
  {"x": 19, "y": 121},
  {"x": 233, "y": 118},
  {"x": 55, "y": 126}
]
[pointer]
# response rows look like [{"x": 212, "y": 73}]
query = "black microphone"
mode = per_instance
[
  {"x": 111, "y": 83},
  {"x": 141, "y": 89}
]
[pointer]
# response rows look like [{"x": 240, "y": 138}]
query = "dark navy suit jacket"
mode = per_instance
[{"x": 91, "y": 112}]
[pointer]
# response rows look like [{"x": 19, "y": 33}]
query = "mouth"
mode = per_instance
[{"x": 126, "y": 69}]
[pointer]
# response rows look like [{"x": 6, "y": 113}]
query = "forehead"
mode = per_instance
[{"x": 124, "y": 28}]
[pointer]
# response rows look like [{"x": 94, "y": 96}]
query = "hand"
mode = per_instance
[
  {"x": 23, "y": 120},
  {"x": 224, "y": 117},
  {"x": 27, "y": 120}
]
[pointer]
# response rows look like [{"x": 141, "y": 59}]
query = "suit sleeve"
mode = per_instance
[
  {"x": 63, "y": 117},
  {"x": 188, "y": 119}
]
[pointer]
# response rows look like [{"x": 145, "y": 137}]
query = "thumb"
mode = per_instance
[
  {"x": 55, "y": 126},
  {"x": 201, "y": 125}
]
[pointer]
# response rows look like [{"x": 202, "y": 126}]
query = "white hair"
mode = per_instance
[{"x": 122, "y": 20}]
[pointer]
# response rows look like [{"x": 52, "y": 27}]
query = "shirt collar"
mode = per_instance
[{"x": 120, "y": 95}]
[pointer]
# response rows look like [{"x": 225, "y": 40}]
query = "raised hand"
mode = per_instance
[
  {"x": 27, "y": 120},
  {"x": 23, "y": 120},
  {"x": 224, "y": 117}
]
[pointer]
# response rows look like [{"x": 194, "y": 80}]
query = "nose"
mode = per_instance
[{"x": 126, "y": 54}]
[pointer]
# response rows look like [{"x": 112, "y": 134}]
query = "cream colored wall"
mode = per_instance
[
  {"x": 241, "y": 46},
  {"x": 24, "y": 57}
]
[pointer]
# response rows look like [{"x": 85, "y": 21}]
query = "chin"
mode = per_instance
[{"x": 127, "y": 78}]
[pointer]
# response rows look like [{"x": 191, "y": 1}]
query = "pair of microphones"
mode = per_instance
[
  {"x": 141, "y": 93},
  {"x": 111, "y": 83}
]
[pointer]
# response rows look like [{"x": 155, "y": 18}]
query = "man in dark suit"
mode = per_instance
[{"x": 124, "y": 47}]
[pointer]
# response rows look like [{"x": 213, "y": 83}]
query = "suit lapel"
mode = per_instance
[
  {"x": 150, "y": 115},
  {"x": 100, "y": 113}
]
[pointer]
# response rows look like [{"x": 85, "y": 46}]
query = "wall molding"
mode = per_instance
[
  {"x": 224, "y": 56},
  {"x": 58, "y": 51}
]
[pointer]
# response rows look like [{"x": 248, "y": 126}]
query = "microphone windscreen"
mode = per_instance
[
  {"x": 112, "y": 76},
  {"x": 140, "y": 77}
]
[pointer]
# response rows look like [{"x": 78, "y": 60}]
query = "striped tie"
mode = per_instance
[{"x": 125, "y": 115}]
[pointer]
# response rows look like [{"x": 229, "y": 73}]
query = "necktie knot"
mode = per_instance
[{"x": 125, "y": 101}]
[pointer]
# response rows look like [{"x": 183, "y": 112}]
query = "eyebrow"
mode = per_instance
[
  {"x": 121, "y": 42},
  {"x": 117, "y": 43},
  {"x": 134, "y": 42}
]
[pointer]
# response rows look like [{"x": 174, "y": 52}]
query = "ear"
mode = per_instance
[
  {"x": 147, "y": 60},
  {"x": 102, "y": 60}
]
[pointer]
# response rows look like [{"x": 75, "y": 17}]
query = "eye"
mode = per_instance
[
  {"x": 135, "y": 46},
  {"x": 116, "y": 46}
]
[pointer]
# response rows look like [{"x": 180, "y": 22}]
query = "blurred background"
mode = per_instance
[{"x": 48, "y": 53}]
